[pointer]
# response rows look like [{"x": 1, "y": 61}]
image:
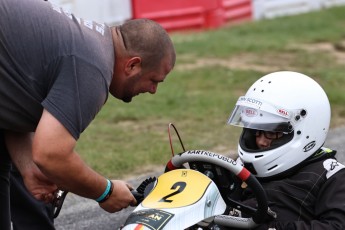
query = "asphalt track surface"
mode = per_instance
[{"x": 79, "y": 213}]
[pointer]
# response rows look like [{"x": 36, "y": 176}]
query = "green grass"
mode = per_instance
[
  {"x": 267, "y": 35},
  {"x": 200, "y": 93}
]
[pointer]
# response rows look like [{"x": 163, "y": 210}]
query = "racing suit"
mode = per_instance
[{"x": 313, "y": 197}]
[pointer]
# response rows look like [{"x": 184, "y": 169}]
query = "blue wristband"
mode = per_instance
[{"x": 106, "y": 192}]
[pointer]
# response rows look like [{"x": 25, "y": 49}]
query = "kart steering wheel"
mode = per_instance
[{"x": 228, "y": 175}]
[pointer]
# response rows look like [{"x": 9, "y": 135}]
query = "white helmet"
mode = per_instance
[{"x": 287, "y": 102}]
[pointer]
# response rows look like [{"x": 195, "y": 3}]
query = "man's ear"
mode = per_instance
[{"x": 133, "y": 66}]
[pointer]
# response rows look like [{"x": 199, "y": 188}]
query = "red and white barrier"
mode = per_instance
[
  {"x": 266, "y": 9},
  {"x": 179, "y": 14},
  {"x": 236, "y": 10},
  {"x": 191, "y": 14}
]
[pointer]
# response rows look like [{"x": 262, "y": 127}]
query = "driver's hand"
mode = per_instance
[
  {"x": 267, "y": 222},
  {"x": 120, "y": 198},
  {"x": 273, "y": 225},
  {"x": 264, "y": 227}
]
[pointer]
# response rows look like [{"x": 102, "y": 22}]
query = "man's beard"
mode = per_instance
[
  {"x": 127, "y": 99},
  {"x": 129, "y": 95}
]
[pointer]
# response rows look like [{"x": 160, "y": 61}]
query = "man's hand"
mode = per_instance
[
  {"x": 39, "y": 185},
  {"x": 120, "y": 198},
  {"x": 19, "y": 146}
]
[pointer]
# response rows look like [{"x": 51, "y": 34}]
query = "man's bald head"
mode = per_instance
[{"x": 148, "y": 40}]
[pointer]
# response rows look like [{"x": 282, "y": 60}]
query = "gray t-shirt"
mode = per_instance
[{"x": 51, "y": 59}]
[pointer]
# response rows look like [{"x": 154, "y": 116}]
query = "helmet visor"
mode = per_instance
[{"x": 255, "y": 114}]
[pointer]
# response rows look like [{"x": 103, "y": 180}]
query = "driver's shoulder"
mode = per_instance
[
  {"x": 332, "y": 166},
  {"x": 326, "y": 168},
  {"x": 323, "y": 162}
]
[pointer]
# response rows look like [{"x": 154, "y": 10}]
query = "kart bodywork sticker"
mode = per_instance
[
  {"x": 177, "y": 188},
  {"x": 153, "y": 219}
]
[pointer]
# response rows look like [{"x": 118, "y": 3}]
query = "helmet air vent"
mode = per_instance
[
  {"x": 303, "y": 112},
  {"x": 272, "y": 168}
]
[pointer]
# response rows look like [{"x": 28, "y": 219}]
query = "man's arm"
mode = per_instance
[
  {"x": 53, "y": 152},
  {"x": 19, "y": 146}
]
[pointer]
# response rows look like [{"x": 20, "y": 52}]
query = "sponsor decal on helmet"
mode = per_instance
[
  {"x": 309, "y": 146},
  {"x": 250, "y": 112},
  {"x": 250, "y": 100},
  {"x": 283, "y": 112}
]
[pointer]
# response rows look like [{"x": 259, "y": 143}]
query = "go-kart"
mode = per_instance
[{"x": 198, "y": 190}]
